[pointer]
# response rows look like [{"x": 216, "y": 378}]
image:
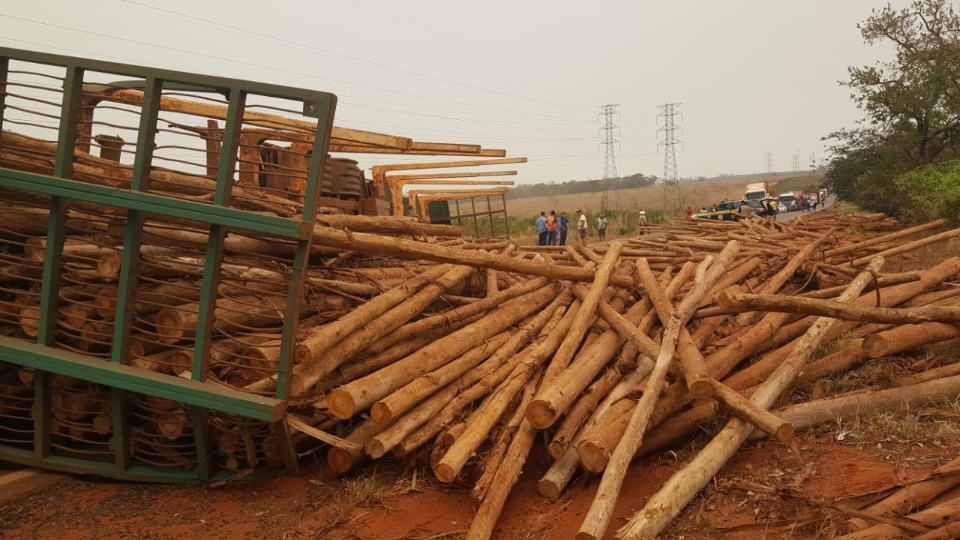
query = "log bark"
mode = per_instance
[
  {"x": 360, "y": 394},
  {"x": 408, "y": 249},
  {"x": 320, "y": 338},
  {"x": 598, "y": 517},
  {"x": 681, "y": 488},
  {"x": 827, "y": 308},
  {"x": 497, "y": 351}
]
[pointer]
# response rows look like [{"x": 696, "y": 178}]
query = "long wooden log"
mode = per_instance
[
  {"x": 386, "y": 323},
  {"x": 775, "y": 283},
  {"x": 430, "y": 415},
  {"x": 935, "y": 516},
  {"x": 840, "y": 250},
  {"x": 320, "y": 338},
  {"x": 388, "y": 225},
  {"x": 494, "y": 458},
  {"x": 408, "y": 249},
  {"x": 681, "y": 488},
  {"x": 917, "y": 244},
  {"x": 560, "y": 473},
  {"x": 836, "y": 310},
  {"x": 546, "y": 344},
  {"x": 360, "y": 394},
  {"x": 908, "y": 337},
  {"x": 598, "y": 517},
  {"x": 822, "y": 411},
  {"x": 406, "y": 397}
]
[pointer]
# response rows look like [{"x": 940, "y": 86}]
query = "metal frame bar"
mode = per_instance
[{"x": 115, "y": 373}]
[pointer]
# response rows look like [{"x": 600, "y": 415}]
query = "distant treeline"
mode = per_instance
[{"x": 580, "y": 186}]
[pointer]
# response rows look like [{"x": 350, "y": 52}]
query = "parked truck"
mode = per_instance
[{"x": 757, "y": 191}]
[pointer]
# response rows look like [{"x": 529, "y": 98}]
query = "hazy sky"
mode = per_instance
[{"x": 752, "y": 77}]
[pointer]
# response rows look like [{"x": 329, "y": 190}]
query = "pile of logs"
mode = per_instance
[{"x": 416, "y": 342}]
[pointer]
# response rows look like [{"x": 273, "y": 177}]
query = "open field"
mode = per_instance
[{"x": 622, "y": 205}]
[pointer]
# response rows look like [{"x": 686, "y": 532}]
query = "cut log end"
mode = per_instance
[
  {"x": 549, "y": 489},
  {"x": 169, "y": 325},
  {"x": 380, "y": 413},
  {"x": 593, "y": 457},
  {"x": 445, "y": 473},
  {"x": 341, "y": 404},
  {"x": 541, "y": 414},
  {"x": 784, "y": 433},
  {"x": 702, "y": 389},
  {"x": 340, "y": 460},
  {"x": 557, "y": 449},
  {"x": 376, "y": 449}
]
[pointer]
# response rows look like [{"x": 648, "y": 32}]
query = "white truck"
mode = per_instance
[{"x": 757, "y": 191}]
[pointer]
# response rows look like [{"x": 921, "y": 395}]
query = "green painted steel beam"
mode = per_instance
[
  {"x": 158, "y": 204},
  {"x": 201, "y": 394},
  {"x": 315, "y": 103},
  {"x": 140, "y": 473}
]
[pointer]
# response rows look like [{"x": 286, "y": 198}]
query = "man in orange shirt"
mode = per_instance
[{"x": 552, "y": 228}]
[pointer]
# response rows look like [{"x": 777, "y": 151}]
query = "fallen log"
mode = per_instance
[
  {"x": 827, "y": 308},
  {"x": 357, "y": 395},
  {"x": 409, "y": 249},
  {"x": 598, "y": 517},
  {"x": 680, "y": 489}
]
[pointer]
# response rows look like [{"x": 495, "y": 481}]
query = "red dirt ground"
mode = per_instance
[{"x": 769, "y": 490}]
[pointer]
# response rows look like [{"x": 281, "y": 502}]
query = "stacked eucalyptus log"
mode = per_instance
[
  {"x": 582, "y": 352},
  {"x": 416, "y": 342}
]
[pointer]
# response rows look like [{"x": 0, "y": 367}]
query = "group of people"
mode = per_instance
[{"x": 552, "y": 229}]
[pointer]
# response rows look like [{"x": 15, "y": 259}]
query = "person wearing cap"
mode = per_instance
[
  {"x": 582, "y": 226},
  {"x": 642, "y": 222}
]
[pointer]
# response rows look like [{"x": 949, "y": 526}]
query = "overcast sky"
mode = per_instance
[{"x": 752, "y": 77}]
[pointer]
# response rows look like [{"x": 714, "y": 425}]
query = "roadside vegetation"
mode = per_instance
[{"x": 904, "y": 158}]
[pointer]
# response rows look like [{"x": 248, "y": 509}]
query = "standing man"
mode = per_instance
[
  {"x": 552, "y": 227},
  {"x": 689, "y": 211},
  {"x": 642, "y": 222},
  {"x": 602, "y": 227},
  {"x": 582, "y": 226},
  {"x": 542, "y": 229},
  {"x": 564, "y": 225}
]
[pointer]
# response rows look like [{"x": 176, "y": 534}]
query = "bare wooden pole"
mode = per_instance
[
  {"x": 836, "y": 310},
  {"x": 598, "y": 517},
  {"x": 681, "y": 488},
  {"x": 409, "y": 249}
]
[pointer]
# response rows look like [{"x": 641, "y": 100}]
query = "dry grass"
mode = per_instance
[
  {"x": 661, "y": 198},
  {"x": 369, "y": 490}
]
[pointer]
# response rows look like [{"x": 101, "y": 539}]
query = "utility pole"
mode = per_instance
[
  {"x": 609, "y": 159},
  {"x": 669, "y": 128}
]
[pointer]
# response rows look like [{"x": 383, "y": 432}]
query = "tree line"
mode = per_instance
[
  {"x": 903, "y": 158},
  {"x": 582, "y": 186}
]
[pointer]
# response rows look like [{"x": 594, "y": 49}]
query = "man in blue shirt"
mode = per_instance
[
  {"x": 542, "y": 229},
  {"x": 564, "y": 225}
]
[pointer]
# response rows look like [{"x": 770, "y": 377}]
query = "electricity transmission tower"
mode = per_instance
[
  {"x": 796, "y": 161},
  {"x": 770, "y": 164},
  {"x": 669, "y": 143},
  {"x": 609, "y": 159}
]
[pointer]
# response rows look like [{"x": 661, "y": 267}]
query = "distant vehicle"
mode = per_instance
[
  {"x": 734, "y": 210},
  {"x": 726, "y": 211},
  {"x": 789, "y": 202},
  {"x": 757, "y": 191}
]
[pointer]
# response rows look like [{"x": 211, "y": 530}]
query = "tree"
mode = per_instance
[{"x": 912, "y": 104}]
